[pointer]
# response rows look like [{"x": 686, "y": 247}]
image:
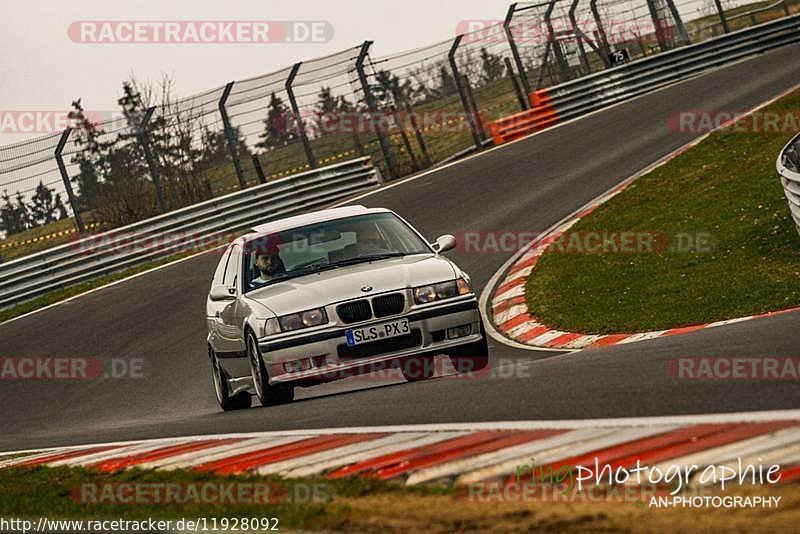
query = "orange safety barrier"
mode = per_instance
[{"x": 541, "y": 115}]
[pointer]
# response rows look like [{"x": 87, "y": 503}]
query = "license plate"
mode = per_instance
[{"x": 376, "y": 332}]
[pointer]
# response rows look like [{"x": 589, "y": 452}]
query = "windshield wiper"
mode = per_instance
[{"x": 367, "y": 258}]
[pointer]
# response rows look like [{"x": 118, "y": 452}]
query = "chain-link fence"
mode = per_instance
[{"x": 408, "y": 111}]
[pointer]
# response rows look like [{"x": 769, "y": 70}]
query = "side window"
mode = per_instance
[
  {"x": 232, "y": 269},
  {"x": 220, "y": 272}
]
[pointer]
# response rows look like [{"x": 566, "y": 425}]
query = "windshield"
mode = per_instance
[{"x": 328, "y": 245}]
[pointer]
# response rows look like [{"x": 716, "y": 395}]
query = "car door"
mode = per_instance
[
  {"x": 229, "y": 323},
  {"x": 214, "y": 307}
]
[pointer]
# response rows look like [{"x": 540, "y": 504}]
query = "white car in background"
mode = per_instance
[{"x": 336, "y": 293}]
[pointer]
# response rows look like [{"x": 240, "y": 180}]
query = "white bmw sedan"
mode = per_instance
[{"x": 336, "y": 293}]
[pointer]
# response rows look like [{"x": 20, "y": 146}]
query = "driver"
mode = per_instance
[
  {"x": 269, "y": 265},
  {"x": 369, "y": 240}
]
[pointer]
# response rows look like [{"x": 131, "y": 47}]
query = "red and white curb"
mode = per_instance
[
  {"x": 509, "y": 309},
  {"x": 459, "y": 453}
]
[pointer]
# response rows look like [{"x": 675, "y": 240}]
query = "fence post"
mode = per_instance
[
  {"x": 679, "y": 22},
  {"x": 373, "y": 108},
  {"x": 476, "y": 138},
  {"x": 579, "y": 37},
  {"x": 404, "y": 137},
  {"x": 474, "y": 106},
  {"x": 301, "y": 127},
  {"x": 67, "y": 184},
  {"x": 543, "y": 65},
  {"x": 601, "y": 33},
  {"x": 658, "y": 25},
  {"x": 723, "y": 18},
  {"x": 515, "y": 52},
  {"x": 517, "y": 89},
  {"x": 554, "y": 44},
  {"x": 229, "y": 135},
  {"x": 259, "y": 171},
  {"x": 152, "y": 165}
]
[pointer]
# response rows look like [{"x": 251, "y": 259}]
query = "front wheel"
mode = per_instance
[
  {"x": 239, "y": 401},
  {"x": 269, "y": 395}
]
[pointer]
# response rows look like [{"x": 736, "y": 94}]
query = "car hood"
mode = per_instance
[{"x": 345, "y": 283}]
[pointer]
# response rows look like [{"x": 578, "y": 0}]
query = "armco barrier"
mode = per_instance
[
  {"x": 83, "y": 259},
  {"x": 595, "y": 91},
  {"x": 788, "y": 166}
]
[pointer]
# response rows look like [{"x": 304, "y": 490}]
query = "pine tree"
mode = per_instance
[
  {"x": 14, "y": 215},
  {"x": 276, "y": 130},
  {"x": 88, "y": 156},
  {"x": 44, "y": 208}
]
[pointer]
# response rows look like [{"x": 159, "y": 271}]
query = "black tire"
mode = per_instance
[
  {"x": 268, "y": 395},
  {"x": 240, "y": 401},
  {"x": 416, "y": 368},
  {"x": 471, "y": 357}
]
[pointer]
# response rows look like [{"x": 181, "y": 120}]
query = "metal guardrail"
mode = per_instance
[
  {"x": 599, "y": 90},
  {"x": 100, "y": 254},
  {"x": 595, "y": 91},
  {"x": 788, "y": 166}
]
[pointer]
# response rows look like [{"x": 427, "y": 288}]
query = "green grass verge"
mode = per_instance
[
  {"x": 726, "y": 187},
  {"x": 57, "y": 493}
]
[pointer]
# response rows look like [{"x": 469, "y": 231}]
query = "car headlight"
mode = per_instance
[
  {"x": 304, "y": 319},
  {"x": 441, "y": 291}
]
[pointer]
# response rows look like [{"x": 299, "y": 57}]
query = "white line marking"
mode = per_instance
[
  {"x": 185, "y": 461},
  {"x": 419, "y": 440}
]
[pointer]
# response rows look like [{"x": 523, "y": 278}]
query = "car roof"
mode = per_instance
[{"x": 312, "y": 218}]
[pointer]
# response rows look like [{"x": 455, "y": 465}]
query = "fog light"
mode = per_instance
[
  {"x": 297, "y": 365},
  {"x": 459, "y": 331}
]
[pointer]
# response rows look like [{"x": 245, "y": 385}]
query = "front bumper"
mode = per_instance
[{"x": 328, "y": 351}]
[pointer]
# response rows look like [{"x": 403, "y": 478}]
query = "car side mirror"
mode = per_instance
[
  {"x": 221, "y": 292},
  {"x": 444, "y": 243}
]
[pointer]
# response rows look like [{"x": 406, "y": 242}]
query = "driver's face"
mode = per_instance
[
  {"x": 264, "y": 264},
  {"x": 370, "y": 238}
]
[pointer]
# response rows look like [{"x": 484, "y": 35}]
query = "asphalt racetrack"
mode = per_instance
[{"x": 526, "y": 186}]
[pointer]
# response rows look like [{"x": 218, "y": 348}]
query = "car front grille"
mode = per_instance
[
  {"x": 376, "y": 348},
  {"x": 353, "y": 312},
  {"x": 387, "y": 305}
]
